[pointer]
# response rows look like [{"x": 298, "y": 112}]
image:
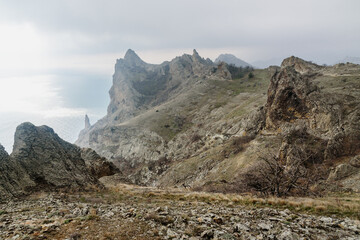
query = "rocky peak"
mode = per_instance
[
  {"x": 27, "y": 136},
  {"x": 87, "y": 122},
  {"x": 49, "y": 160},
  {"x": 287, "y": 95},
  {"x": 300, "y": 65},
  {"x": 41, "y": 160},
  {"x": 196, "y": 55},
  {"x": 132, "y": 59}
]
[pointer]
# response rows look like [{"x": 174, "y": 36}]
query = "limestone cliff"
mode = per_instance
[
  {"x": 192, "y": 123},
  {"x": 138, "y": 88}
]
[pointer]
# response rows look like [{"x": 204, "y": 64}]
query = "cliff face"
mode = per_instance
[
  {"x": 13, "y": 178},
  {"x": 329, "y": 113},
  {"x": 318, "y": 113},
  {"x": 190, "y": 122},
  {"x": 41, "y": 160},
  {"x": 138, "y": 86}
]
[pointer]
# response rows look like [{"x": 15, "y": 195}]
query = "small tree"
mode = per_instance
[
  {"x": 272, "y": 176},
  {"x": 250, "y": 75}
]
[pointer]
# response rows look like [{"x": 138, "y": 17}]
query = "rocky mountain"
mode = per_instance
[
  {"x": 41, "y": 160},
  {"x": 231, "y": 59},
  {"x": 192, "y": 123}
]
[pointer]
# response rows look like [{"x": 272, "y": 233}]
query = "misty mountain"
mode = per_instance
[{"x": 231, "y": 59}]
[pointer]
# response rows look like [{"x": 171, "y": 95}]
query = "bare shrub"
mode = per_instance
[
  {"x": 273, "y": 176},
  {"x": 195, "y": 138}
]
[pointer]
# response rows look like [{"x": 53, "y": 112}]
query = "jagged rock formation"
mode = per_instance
[
  {"x": 320, "y": 124},
  {"x": 87, "y": 122},
  {"x": 192, "y": 123},
  {"x": 300, "y": 65},
  {"x": 231, "y": 59},
  {"x": 49, "y": 160},
  {"x": 297, "y": 98},
  {"x": 41, "y": 160},
  {"x": 137, "y": 88}
]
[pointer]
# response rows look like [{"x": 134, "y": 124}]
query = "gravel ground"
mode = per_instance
[{"x": 66, "y": 216}]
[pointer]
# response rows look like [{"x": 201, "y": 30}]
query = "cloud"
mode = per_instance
[
  {"x": 98, "y": 27},
  {"x": 57, "y": 57}
]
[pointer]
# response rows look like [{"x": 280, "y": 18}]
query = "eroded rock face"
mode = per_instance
[
  {"x": 296, "y": 99},
  {"x": 329, "y": 119},
  {"x": 13, "y": 178},
  {"x": 98, "y": 166},
  {"x": 49, "y": 160},
  {"x": 287, "y": 95},
  {"x": 41, "y": 160},
  {"x": 138, "y": 85}
]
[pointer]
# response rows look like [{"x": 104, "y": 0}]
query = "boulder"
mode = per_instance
[{"x": 342, "y": 171}]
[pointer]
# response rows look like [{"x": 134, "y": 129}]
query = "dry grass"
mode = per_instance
[{"x": 345, "y": 205}]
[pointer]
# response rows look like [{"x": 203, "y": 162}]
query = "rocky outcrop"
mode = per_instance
[
  {"x": 87, "y": 122},
  {"x": 50, "y": 161},
  {"x": 342, "y": 171},
  {"x": 329, "y": 119},
  {"x": 287, "y": 95},
  {"x": 300, "y": 65},
  {"x": 295, "y": 98},
  {"x": 41, "y": 160},
  {"x": 98, "y": 166}
]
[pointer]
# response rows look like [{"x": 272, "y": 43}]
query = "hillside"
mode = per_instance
[
  {"x": 188, "y": 126},
  {"x": 192, "y": 123}
]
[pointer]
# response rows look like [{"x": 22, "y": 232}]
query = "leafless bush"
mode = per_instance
[
  {"x": 195, "y": 138},
  {"x": 274, "y": 176}
]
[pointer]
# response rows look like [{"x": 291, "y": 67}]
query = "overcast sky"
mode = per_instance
[{"x": 57, "y": 56}]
